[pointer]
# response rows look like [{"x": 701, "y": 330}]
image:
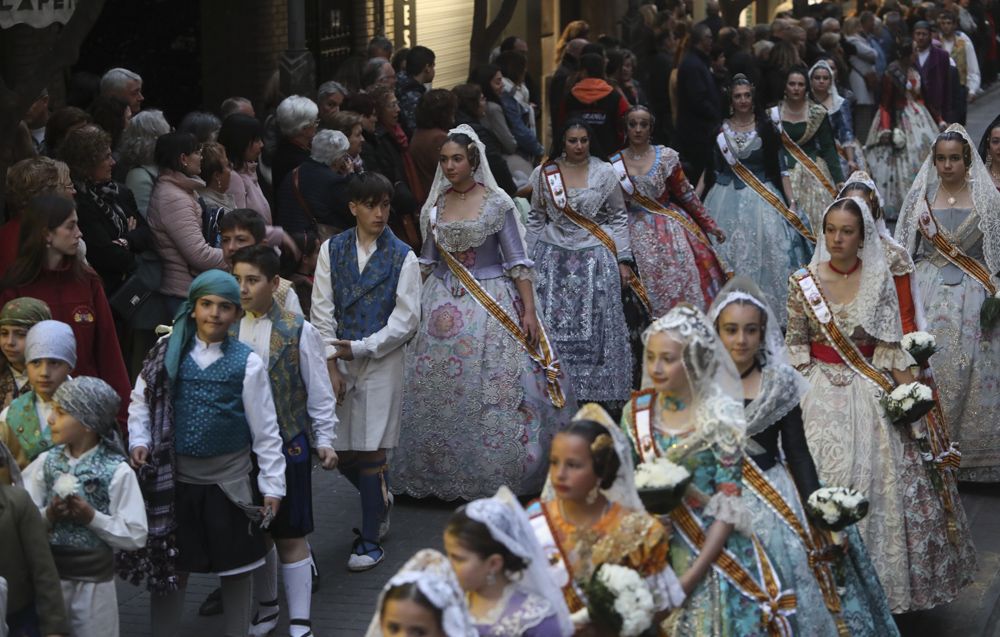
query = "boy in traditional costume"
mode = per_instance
[
  {"x": 303, "y": 398},
  {"x": 366, "y": 305},
  {"x": 200, "y": 409},
  {"x": 50, "y": 352},
  {"x": 91, "y": 499},
  {"x": 244, "y": 227}
]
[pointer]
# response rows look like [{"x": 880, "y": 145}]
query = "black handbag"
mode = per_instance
[{"x": 139, "y": 287}]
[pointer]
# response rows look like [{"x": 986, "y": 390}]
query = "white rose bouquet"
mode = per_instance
[
  {"x": 661, "y": 485},
  {"x": 66, "y": 485},
  {"x": 836, "y": 508},
  {"x": 920, "y": 345},
  {"x": 908, "y": 403},
  {"x": 619, "y": 600},
  {"x": 898, "y": 139}
]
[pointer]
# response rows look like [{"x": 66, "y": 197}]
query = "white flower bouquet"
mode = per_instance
[
  {"x": 619, "y": 600},
  {"x": 908, "y": 403},
  {"x": 920, "y": 345},
  {"x": 898, "y": 139},
  {"x": 661, "y": 485},
  {"x": 836, "y": 508},
  {"x": 66, "y": 485}
]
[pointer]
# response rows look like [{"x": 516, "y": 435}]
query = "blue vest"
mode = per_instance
[
  {"x": 364, "y": 301},
  {"x": 94, "y": 474},
  {"x": 208, "y": 404}
]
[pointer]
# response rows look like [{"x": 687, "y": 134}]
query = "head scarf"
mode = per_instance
[
  {"x": 622, "y": 490},
  {"x": 24, "y": 312},
  {"x": 208, "y": 283},
  {"x": 51, "y": 339},
  {"x": 781, "y": 386},
  {"x": 431, "y": 573},
  {"x": 985, "y": 202},
  {"x": 92, "y": 402},
  {"x": 838, "y": 101},
  {"x": 509, "y": 525},
  {"x": 876, "y": 306},
  {"x": 716, "y": 389}
]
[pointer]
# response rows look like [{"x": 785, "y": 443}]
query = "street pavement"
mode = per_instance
[{"x": 343, "y": 605}]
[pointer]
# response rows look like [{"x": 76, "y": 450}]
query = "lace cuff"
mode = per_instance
[
  {"x": 666, "y": 589},
  {"x": 427, "y": 267},
  {"x": 798, "y": 355},
  {"x": 892, "y": 356},
  {"x": 730, "y": 509},
  {"x": 521, "y": 272}
]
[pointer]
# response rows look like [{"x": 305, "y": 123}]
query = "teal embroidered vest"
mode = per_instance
[
  {"x": 94, "y": 474},
  {"x": 364, "y": 300},
  {"x": 287, "y": 386},
  {"x": 209, "y": 419},
  {"x": 22, "y": 420}
]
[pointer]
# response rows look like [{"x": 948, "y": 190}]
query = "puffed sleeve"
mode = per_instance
[
  {"x": 515, "y": 258},
  {"x": 651, "y": 559},
  {"x": 797, "y": 333},
  {"x": 726, "y": 502}
]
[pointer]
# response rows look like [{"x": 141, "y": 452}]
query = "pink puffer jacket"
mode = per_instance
[{"x": 175, "y": 217}]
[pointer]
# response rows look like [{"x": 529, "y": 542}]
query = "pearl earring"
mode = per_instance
[{"x": 592, "y": 494}]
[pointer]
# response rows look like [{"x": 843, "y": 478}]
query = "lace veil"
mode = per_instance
[
  {"x": 623, "y": 490},
  {"x": 985, "y": 199},
  {"x": 717, "y": 391},
  {"x": 508, "y": 524},
  {"x": 782, "y": 386},
  {"x": 876, "y": 304},
  {"x": 482, "y": 175},
  {"x": 431, "y": 572},
  {"x": 838, "y": 99}
]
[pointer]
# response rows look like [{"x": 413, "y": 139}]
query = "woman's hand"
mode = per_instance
[
  {"x": 529, "y": 323},
  {"x": 626, "y": 274},
  {"x": 720, "y": 236}
]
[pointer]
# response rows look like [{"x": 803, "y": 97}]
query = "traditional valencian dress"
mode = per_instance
[
  {"x": 893, "y": 165},
  {"x": 855, "y": 445},
  {"x": 839, "y": 115},
  {"x": 760, "y": 242},
  {"x": 675, "y": 264},
  {"x": 836, "y": 592},
  {"x": 967, "y": 365},
  {"x": 815, "y": 137},
  {"x": 579, "y": 286},
  {"x": 477, "y": 410},
  {"x": 712, "y": 452},
  {"x": 624, "y": 535}
]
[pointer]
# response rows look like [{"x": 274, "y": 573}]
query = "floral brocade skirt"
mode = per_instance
[
  {"x": 476, "y": 412},
  {"x": 905, "y": 532}
]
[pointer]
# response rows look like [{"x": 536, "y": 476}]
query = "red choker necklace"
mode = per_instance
[
  {"x": 461, "y": 193},
  {"x": 854, "y": 268}
]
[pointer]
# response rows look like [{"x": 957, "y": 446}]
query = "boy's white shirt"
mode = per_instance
[
  {"x": 258, "y": 405},
  {"x": 320, "y": 404},
  {"x": 403, "y": 321},
  {"x": 124, "y": 527}
]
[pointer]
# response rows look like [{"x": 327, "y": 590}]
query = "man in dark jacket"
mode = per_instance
[
  {"x": 419, "y": 73},
  {"x": 936, "y": 80},
  {"x": 698, "y": 104}
]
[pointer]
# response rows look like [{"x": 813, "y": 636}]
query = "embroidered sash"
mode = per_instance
[
  {"x": 751, "y": 180},
  {"x": 542, "y": 354},
  {"x": 553, "y": 551},
  {"x": 775, "y": 604},
  {"x": 554, "y": 181},
  {"x": 818, "y": 308},
  {"x": 800, "y": 155},
  {"x": 756, "y": 481},
  {"x": 939, "y": 238}
]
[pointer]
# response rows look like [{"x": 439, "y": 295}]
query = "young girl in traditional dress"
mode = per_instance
[
  {"x": 590, "y": 514},
  {"x": 503, "y": 571},
  {"x": 836, "y": 586},
  {"x": 690, "y": 412},
  {"x": 953, "y": 191},
  {"x": 91, "y": 499},
  {"x": 853, "y": 442},
  {"x": 484, "y": 391},
  {"x": 424, "y": 599}
]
